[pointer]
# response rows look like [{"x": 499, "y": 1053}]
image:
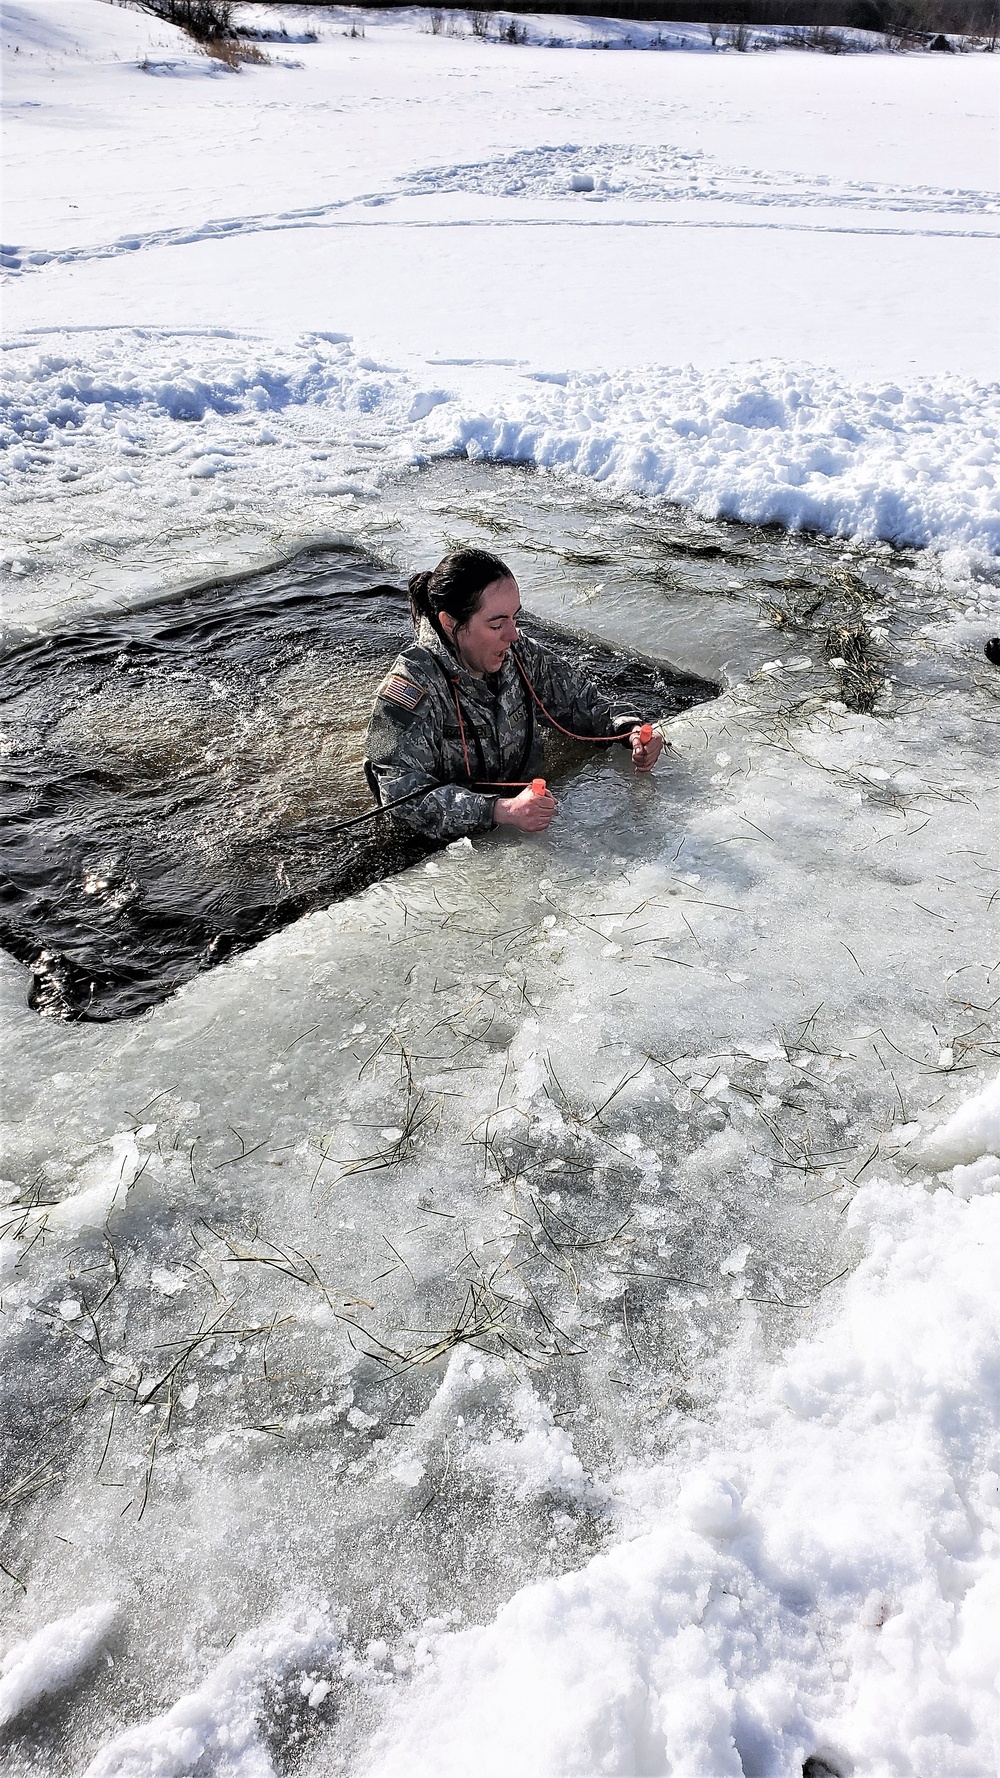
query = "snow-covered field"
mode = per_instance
[{"x": 687, "y": 1115}]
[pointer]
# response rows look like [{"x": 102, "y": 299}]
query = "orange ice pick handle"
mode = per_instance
[
  {"x": 538, "y": 786},
  {"x": 646, "y": 733}
]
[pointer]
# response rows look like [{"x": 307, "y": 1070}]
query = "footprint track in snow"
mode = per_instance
[
  {"x": 668, "y": 173},
  {"x": 594, "y": 175}
]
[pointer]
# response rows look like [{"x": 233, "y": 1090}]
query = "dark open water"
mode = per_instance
[{"x": 172, "y": 775}]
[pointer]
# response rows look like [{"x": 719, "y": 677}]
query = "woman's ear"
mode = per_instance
[{"x": 448, "y": 624}]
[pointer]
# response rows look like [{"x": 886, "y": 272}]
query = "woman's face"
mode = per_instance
[{"x": 483, "y": 642}]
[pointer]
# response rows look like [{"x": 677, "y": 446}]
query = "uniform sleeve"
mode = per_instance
[
  {"x": 573, "y": 699},
  {"x": 403, "y": 755}
]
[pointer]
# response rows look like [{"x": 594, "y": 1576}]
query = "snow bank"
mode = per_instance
[
  {"x": 53, "y": 1658},
  {"x": 179, "y": 380},
  {"x": 769, "y": 445},
  {"x": 112, "y": 39},
  {"x": 153, "y": 416},
  {"x": 861, "y": 1496}
]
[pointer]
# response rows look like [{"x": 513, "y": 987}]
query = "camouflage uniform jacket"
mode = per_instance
[{"x": 414, "y": 737}]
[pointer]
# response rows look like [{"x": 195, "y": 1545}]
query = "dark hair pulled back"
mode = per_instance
[{"x": 456, "y": 586}]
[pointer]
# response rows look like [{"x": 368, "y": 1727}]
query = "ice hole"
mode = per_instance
[{"x": 172, "y": 774}]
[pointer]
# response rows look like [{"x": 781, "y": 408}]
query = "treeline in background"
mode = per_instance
[{"x": 906, "y": 23}]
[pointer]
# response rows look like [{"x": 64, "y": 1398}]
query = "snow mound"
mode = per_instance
[
  {"x": 967, "y": 1146},
  {"x": 215, "y": 1728},
  {"x": 53, "y": 1658}
]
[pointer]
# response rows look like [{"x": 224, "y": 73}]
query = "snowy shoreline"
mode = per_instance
[{"x": 115, "y": 440}]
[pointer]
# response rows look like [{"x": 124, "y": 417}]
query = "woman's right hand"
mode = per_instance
[{"x": 527, "y": 812}]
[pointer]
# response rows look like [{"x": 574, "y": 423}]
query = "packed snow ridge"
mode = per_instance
[{"x": 152, "y": 416}]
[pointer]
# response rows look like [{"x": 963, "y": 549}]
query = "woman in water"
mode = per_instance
[{"x": 464, "y": 708}]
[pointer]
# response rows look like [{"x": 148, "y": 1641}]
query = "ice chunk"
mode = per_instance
[
  {"x": 974, "y": 1180},
  {"x": 712, "y": 1505},
  {"x": 736, "y": 1261},
  {"x": 168, "y": 1283},
  {"x": 425, "y": 401},
  {"x": 408, "y": 1472},
  {"x": 719, "y": 1082}
]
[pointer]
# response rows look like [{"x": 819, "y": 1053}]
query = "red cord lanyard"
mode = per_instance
[
  {"x": 520, "y": 783},
  {"x": 620, "y": 736}
]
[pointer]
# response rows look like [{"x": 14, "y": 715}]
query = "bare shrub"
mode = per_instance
[
  {"x": 210, "y": 21},
  {"x": 480, "y": 21},
  {"x": 435, "y": 20},
  {"x": 737, "y": 37}
]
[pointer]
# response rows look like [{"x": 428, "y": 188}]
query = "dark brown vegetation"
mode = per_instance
[{"x": 210, "y": 21}]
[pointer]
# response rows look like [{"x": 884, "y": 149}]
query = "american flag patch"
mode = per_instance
[{"x": 400, "y": 691}]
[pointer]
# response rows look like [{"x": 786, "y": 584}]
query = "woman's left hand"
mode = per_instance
[{"x": 645, "y": 754}]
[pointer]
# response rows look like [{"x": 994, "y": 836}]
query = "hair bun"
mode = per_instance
[{"x": 420, "y": 604}]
